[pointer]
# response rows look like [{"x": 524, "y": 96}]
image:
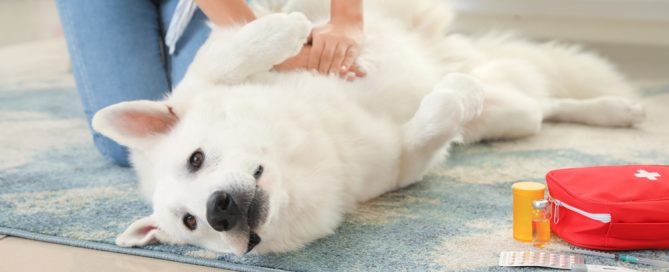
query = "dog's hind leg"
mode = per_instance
[
  {"x": 455, "y": 100},
  {"x": 507, "y": 114},
  {"x": 608, "y": 111}
]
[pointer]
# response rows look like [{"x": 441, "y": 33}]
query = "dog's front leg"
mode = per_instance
[{"x": 230, "y": 56}]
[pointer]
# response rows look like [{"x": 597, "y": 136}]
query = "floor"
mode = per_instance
[
  {"x": 644, "y": 64},
  {"x": 21, "y": 255}
]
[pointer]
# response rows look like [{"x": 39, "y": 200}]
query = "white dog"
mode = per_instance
[{"x": 240, "y": 158}]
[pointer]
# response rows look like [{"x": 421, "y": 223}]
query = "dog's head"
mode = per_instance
[{"x": 210, "y": 173}]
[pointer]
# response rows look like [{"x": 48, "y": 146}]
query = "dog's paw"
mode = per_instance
[
  {"x": 281, "y": 35},
  {"x": 300, "y": 28},
  {"x": 293, "y": 27},
  {"x": 466, "y": 90},
  {"x": 618, "y": 111}
]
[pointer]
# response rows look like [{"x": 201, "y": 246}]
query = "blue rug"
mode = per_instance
[{"x": 55, "y": 187}]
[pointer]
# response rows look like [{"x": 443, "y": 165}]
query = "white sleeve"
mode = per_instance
[{"x": 180, "y": 19}]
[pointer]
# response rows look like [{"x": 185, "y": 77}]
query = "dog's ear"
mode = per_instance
[
  {"x": 135, "y": 124},
  {"x": 143, "y": 232}
]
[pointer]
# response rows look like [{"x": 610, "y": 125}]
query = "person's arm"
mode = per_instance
[
  {"x": 224, "y": 13},
  {"x": 336, "y": 45}
]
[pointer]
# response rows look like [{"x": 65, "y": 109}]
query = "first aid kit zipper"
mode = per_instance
[{"x": 601, "y": 217}]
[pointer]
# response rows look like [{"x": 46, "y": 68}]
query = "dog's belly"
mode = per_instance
[
  {"x": 325, "y": 126},
  {"x": 363, "y": 118}
]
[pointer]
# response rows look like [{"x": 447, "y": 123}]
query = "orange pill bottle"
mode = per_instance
[{"x": 523, "y": 195}]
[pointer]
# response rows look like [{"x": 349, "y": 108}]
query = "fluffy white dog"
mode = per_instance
[{"x": 239, "y": 158}]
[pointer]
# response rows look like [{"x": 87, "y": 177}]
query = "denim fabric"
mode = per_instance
[{"x": 117, "y": 54}]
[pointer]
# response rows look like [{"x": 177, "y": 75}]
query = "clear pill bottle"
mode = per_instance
[{"x": 541, "y": 225}]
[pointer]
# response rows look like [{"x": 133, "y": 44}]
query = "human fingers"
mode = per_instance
[
  {"x": 350, "y": 76},
  {"x": 326, "y": 57},
  {"x": 338, "y": 59},
  {"x": 349, "y": 59},
  {"x": 315, "y": 55},
  {"x": 358, "y": 70}
]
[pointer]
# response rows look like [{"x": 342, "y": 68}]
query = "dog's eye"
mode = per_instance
[
  {"x": 258, "y": 173},
  {"x": 189, "y": 221},
  {"x": 195, "y": 161}
]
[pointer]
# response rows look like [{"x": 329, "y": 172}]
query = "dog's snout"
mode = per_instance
[{"x": 222, "y": 211}]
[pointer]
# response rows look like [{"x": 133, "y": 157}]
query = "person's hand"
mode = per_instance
[
  {"x": 301, "y": 61},
  {"x": 335, "y": 47}
]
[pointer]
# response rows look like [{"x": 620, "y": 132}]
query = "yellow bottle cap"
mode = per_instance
[{"x": 527, "y": 187}]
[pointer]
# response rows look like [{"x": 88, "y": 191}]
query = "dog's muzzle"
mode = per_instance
[
  {"x": 238, "y": 214},
  {"x": 223, "y": 213}
]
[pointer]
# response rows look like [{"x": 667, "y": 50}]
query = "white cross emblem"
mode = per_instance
[{"x": 645, "y": 174}]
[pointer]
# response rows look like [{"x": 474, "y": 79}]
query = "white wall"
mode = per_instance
[
  {"x": 28, "y": 20},
  {"x": 644, "y": 22},
  {"x": 620, "y": 21},
  {"x": 628, "y": 10}
]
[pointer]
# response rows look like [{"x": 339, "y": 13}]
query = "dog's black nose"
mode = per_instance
[{"x": 222, "y": 211}]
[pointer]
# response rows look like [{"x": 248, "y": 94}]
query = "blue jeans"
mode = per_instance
[{"x": 118, "y": 54}]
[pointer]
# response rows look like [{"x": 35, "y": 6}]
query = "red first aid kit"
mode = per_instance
[{"x": 611, "y": 207}]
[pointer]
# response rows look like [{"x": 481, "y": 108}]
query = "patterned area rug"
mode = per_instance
[{"x": 55, "y": 187}]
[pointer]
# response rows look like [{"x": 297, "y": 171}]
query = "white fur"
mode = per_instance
[{"x": 327, "y": 144}]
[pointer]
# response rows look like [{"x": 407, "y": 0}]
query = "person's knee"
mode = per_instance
[{"x": 111, "y": 150}]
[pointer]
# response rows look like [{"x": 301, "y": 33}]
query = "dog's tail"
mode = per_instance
[{"x": 582, "y": 74}]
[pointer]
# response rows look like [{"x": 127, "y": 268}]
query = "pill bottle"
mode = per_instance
[
  {"x": 523, "y": 195},
  {"x": 541, "y": 226}
]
